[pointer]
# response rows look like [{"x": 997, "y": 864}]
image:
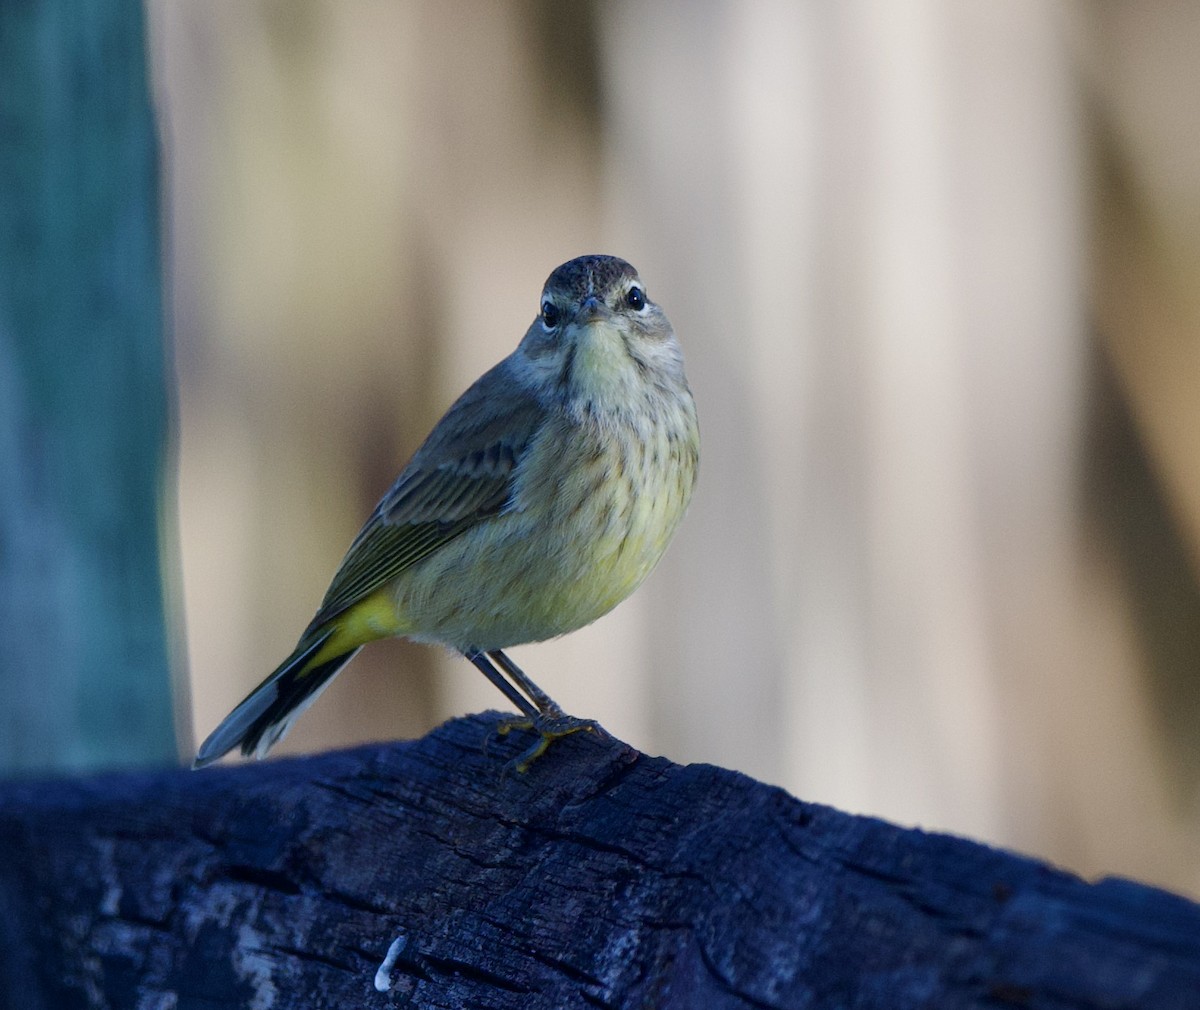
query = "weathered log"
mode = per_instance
[{"x": 430, "y": 874}]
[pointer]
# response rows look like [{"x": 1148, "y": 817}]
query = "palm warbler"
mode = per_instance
[{"x": 542, "y": 499}]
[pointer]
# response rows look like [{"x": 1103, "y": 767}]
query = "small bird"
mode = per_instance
[{"x": 542, "y": 499}]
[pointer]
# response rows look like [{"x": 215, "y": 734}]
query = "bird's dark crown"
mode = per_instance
[{"x": 585, "y": 274}]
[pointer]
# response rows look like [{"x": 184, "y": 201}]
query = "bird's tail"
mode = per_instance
[{"x": 261, "y": 721}]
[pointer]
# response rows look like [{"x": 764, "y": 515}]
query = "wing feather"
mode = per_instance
[{"x": 461, "y": 476}]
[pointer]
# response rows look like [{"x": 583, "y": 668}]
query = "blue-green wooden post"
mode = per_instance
[{"x": 84, "y": 678}]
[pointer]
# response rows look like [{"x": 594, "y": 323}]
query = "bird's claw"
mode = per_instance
[{"x": 550, "y": 726}]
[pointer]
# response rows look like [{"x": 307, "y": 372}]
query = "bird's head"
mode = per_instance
[{"x": 599, "y": 338}]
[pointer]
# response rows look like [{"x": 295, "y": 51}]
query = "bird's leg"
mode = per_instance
[
  {"x": 550, "y": 722},
  {"x": 545, "y": 704},
  {"x": 485, "y": 667}
]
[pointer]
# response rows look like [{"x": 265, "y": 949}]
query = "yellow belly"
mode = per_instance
[{"x": 592, "y": 516}]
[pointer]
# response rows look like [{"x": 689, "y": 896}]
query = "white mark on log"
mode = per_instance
[
  {"x": 255, "y": 966},
  {"x": 106, "y": 850},
  {"x": 383, "y": 977}
]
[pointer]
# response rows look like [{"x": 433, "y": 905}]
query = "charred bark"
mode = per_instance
[{"x": 430, "y": 875}]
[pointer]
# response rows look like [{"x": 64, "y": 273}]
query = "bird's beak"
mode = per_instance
[{"x": 591, "y": 310}]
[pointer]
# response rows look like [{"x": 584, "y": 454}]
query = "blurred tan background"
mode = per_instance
[{"x": 934, "y": 266}]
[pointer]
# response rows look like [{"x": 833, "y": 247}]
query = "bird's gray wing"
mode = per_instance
[{"x": 461, "y": 476}]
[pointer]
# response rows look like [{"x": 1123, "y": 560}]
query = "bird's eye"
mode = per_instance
[
  {"x": 549, "y": 314},
  {"x": 636, "y": 298}
]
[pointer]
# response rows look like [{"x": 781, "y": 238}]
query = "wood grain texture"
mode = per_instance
[{"x": 601, "y": 878}]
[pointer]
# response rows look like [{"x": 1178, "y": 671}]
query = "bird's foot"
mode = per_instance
[{"x": 550, "y": 725}]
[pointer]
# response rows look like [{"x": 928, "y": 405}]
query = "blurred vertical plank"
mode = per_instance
[
  {"x": 1140, "y": 69},
  {"x": 82, "y": 396},
  {"x": 1145, "y": 254}
]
